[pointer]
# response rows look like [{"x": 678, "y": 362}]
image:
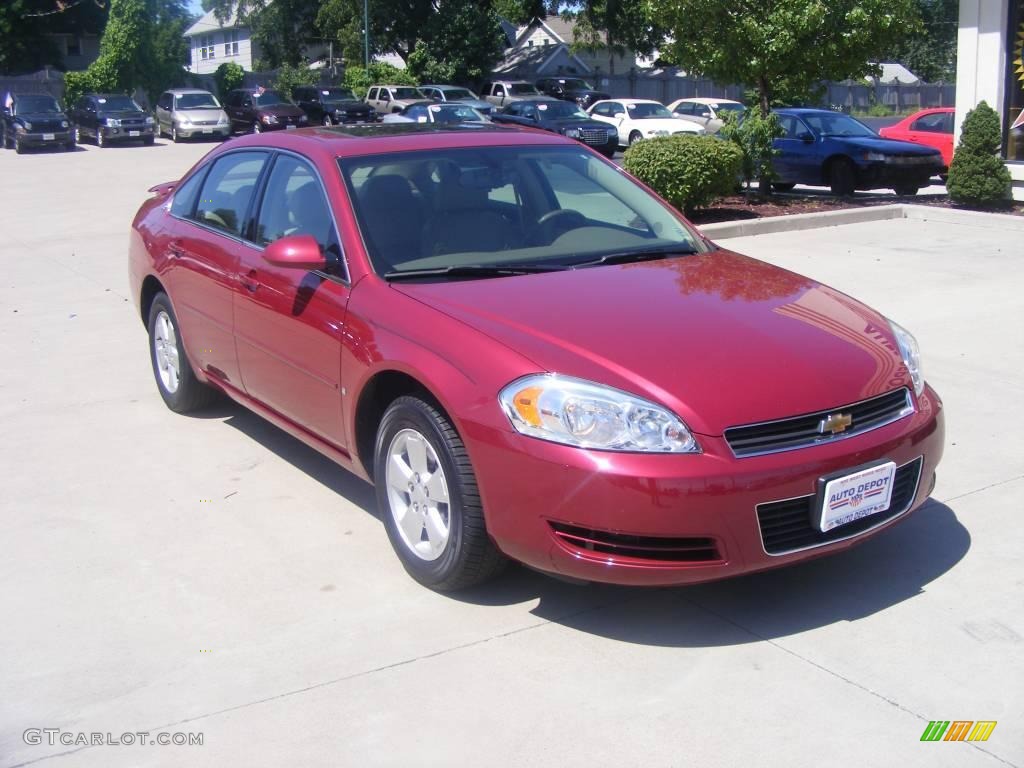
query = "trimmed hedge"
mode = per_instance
[
  {"x": 688, "y": 171},
  {"x": 228, "y": 77},
  {"x": 977, "y": 176}
]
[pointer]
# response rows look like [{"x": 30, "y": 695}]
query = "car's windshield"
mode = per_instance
[
  {"x": 521, "y": 89},
  {"x": 269, "y": 98},
  {"x": 337, "y": 94},
  {"x": 107, "y": 103},
  {"x": 197, "y": 101},
  {"x": 645, "y": 111},
  {"x": 836, "y": 125},
  {"x": 36, "y": 105},
  {"x": 407, "y": 93},
  {"x": 578, "y": 85},
  {"x": 559, "y": 110},
  {"x": 522, "y": 206},
  {"x": 454, "y": 113},
  {"x": 454, "y": 94}
]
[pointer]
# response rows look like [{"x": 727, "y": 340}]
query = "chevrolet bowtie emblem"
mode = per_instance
[{"x": 835, "y": 423}]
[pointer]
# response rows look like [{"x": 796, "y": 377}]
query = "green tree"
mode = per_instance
[
  {"x": 614, "y": 26},
  {"x": 24, "y": 24},
  {"x": 523, "y": 11},
  {"x": 359, "y": 79},
  {"x": 977, "y": 176},
  {"x": 783, "y": 45},
  {"x": 461, "y": 44},
  {"x": 228, "y": 76},
  {"x": 929, "y": 51}
]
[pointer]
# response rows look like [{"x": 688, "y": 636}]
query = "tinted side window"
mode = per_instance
[
  {"x": 294, "y": 204},
  {"x": 934, "y": 123},
  {"x": 499, "y": 90},
  {"x": 165, "y": 101},
  {"x": 228, "y": 189},
  {"x": 184, "y": 200}
]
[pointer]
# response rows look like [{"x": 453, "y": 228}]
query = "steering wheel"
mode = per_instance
[{"x": 557, "y": 222}]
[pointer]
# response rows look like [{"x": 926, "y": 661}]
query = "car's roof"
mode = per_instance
[
  {"x": 708, "y": 100},
  {"x": 183, "y": 91},
  {"x": 444, "y": 87},
  {"x": 392, "y": 85},
  {"x": 637, "y": 101},
  {"x": 106, "y": 95},
  {"x": 807, "y": 111},
  {"x": 383, "y": 138}
]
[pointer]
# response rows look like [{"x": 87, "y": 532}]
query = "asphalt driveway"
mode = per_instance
[{"x": 210, "y": 575}]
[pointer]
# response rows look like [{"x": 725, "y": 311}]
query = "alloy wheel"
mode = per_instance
[
  {"x": 165, "y": 348},
  {"x": 417, "y": 493},
  {"x": 328, "y": 121}
]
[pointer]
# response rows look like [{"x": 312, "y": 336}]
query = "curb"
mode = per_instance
[{"x": 802, "y": 221}]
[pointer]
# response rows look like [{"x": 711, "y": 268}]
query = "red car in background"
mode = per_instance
[
  {"x": 530, "y": 355},
  {"x": 931, "y": 127}
]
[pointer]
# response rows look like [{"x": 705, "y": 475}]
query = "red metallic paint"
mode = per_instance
[
  {"x": 941, "y": 141},
  {"x": 719, "y": 338}
]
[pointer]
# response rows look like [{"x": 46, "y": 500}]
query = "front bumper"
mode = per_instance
[
  {"x": 544, "y": 502},
  {"x": 193, "y": 131},
  {"x": 886, "y": 175},
  {"x": 43, "y": 139},
  {"x": 142, "y": 133}
]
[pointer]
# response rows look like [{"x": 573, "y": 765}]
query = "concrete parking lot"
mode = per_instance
[{"x": 210, "y": 575}]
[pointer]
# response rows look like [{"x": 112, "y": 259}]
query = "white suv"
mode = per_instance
[
  {"x": 638, "y": 119},
  {"x": 392, "y": 98}
]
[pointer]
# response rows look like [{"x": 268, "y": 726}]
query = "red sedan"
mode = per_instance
[
  {"x": 530, "y": 355},
  {"x": 931, "y": 127}
]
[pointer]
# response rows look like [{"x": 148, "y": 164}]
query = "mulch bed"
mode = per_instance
[{"x": 739, "y": 207}]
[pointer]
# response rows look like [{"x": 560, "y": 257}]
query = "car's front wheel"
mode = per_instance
[
  {"x": 634, "y": 137},
  {"x": 327, "y": 120},
  {"x": 178, "y": 385},
  {"x": 429, "y": 499},
  {"x": 783, "y": 186},
  {"x": 256, "y": 128},
  {"x": 100, "y": 141},
  {"x": 906, "y": 190},
  {"x": 842, "y": 178}
]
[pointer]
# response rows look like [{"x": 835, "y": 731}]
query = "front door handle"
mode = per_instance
[{"x": 250, "y": 282}]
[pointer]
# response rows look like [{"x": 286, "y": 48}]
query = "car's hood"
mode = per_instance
[
  {"x": 578, "y": 93},
  {"x": 574, "y": 122},
  {"x": 670, "y": 124},
  {"x": 281, "y": 110},
  {"x": 122, "y": 114},
  {"x": 205, "y": 113},
  {"x": 40, "y": 116},
  {"x": 353, "y": 105},
  {"x": 474, "y": 103},
  {"x": 889, "y": 146},
  {"x": 721, "y": 339}
]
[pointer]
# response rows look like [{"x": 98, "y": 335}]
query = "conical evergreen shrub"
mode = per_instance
[{"x": 978, "y": 176}]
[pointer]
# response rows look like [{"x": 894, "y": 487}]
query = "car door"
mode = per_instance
[
  {"x": 163, "y": 112},
  {"x": 289, "y": 323},
  {"x": 499, "y": 94},
  {"x": 931, "y": 130},
  {"x": 209, "y": 215},
  {"x": 796, "y": 160}
]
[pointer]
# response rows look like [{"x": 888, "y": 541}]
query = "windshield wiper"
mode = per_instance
[
  {"x": 629, "y": 257},
  {"x": 473, "y": 270}
]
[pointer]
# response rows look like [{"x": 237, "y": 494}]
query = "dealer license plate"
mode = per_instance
[
  {"x": 133, "y": 133},
  {"x": 857, "y": 495},
  {"x": 48, "y": 137},
  {"x": 289, "y": 127},
  {"x": 207, "y": 130}
]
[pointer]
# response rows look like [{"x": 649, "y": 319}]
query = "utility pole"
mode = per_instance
[{"x": 366, "y": 34}]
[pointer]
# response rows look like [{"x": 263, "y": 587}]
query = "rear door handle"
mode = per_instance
[
  {"x": 174, "y": 248},
  {"x": 250, "y": 282}
]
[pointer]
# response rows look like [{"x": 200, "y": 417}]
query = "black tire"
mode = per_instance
[
  {"x": 6, "y": 140},
  {"x": 18, "y": 146},
  {"x": 783, "y": 186},
  {"x": 634, "y": 137},
  {"x": 100, "y": 141},
  {"x": 174, "y": 134},
  {"x": 256, "y": 128},
  {"x": 469, "y": 557},
  {"x": 906, "y": 190},
  {"x": 842, "y": 177},
  {"x": 190, "y": 394},
  {"x": 327, "y": 121},
  {"x": 149, "y": 141}
]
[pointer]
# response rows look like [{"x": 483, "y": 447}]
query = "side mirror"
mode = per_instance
[
  {"x": 295, "y": 252},
  {"x": 806, "y": 138},
  {"x": 619, "y": 119}
]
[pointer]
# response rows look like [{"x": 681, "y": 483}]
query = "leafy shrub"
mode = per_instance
[
  {"x": 289, "y": 77},
  {"x": 977, "y": 176},
  {"x": 228, "y": 76},
  {"x": 753, "y": 135},
  {"x": 688, "y": 171},
  {"x": 360, "y": 79}
]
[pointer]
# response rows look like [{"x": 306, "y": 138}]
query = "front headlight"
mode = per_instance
[
  {"x": 28, "y": 125},
  {"x": 113, "y": 122},
  {"x": 184, "y": 121},
  {"x": 269, "y": 119},
  {"x": 150, "y": 121},
  {"x": 303, "y": 119},
  {"x": 572, "y": 133},
  {"x": 875, "y": 157},
  {"x": 911, "y": 354},
  {"x": 63, "y": 123},
  {"x": 223, "y": 119},
  {"x": 575, "y": 412},
  {"x": 613, "y": 133}
]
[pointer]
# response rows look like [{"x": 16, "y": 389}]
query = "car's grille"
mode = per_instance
[
  {"x": 40, "y": 126},
  {"x": 204, "y": 122},
  {"x": 588, "y": 542},
  {"x": 133, "y": 122},
  {"x": 806, "y": 430},
  {"x": 788, "y": 525},
  {"x": 594, "y": 135}
]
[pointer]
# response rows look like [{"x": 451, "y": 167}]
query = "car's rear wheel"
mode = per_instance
[
  {"x": 178, "y": 385},
  {"x": 783, "y": 186},
  {"x": 906, "y": 190},
  {"x": 429, "y": 499},
  {"x": 842, "y": 177},
  {"x": 634, "y": 137}
]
